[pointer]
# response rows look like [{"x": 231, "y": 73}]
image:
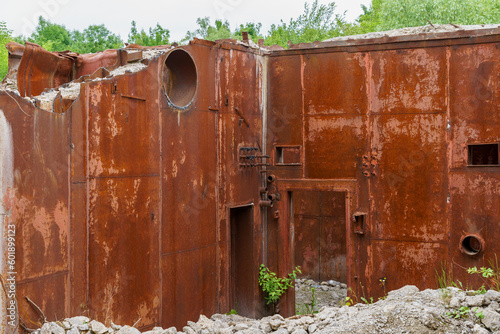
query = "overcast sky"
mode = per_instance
[{"x": 178, "y": 16}]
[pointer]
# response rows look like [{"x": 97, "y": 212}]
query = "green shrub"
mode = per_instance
[{"x": 272, "y": 285}]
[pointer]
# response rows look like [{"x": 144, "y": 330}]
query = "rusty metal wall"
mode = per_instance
[
  {"x": 122, "y": 202},
  {"x": 239, "y": 126},
  {"x": 397, "y": 118},
  {"x": 188, "y": 181},
  {"x": 38, "y": 205},
  {"x": 127, "y": 197},
  {"x": 474, "y": 203}
]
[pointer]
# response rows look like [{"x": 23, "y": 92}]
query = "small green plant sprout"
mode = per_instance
[
  {"x": 273, "y": 286},
  {"x": 310, "y": 308},
  {"x": 366, "y": 301},
  {"x": 354, "y": 298},
  {"x": 485, "y": 272},
  {"x": 233, "y": 311},
  {"x": 481, "y": 290},
  {"x": 444, "y": 278},
  {"x": 348, "y": 301},
  {"x": 462, "y": 312},
  {"x": 382, "y": 281},
  {"x": 478, "y": 313},
  {"x": 490, "y": 275}
]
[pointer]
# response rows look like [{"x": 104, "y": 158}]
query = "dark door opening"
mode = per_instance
[
  {"x": 243, "y": 271},
  {"x": 319, "y": 222}
]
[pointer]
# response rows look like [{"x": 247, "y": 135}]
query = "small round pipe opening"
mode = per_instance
[
  {"x": 180, "y": 79},
  {"x": 471, "y": 244}
]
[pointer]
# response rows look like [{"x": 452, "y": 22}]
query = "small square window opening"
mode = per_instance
[{"x": 483, "y": 155}]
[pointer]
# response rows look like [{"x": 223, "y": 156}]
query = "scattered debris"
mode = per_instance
[
  {"x": 406, "y": 310},
  {"x": 329, "y": 293}
]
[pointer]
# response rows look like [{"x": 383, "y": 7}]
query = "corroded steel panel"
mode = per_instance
[
  {"x": 334, "y": 83},
  {"x": 78, "y": 249},
  {"x": 49, "y": 293},
  {"x": 139, "y": 190},
  {"x": 474, "y": 119},
  {"x": 320, "y": 234},
  {"x": 408, "y": 81},
  {"x": 188, "y": 286},
  {"x": 188, "y": 178},
  {"x": 334, "y": 146},
  {"x": 333, "y": 264},
  {"x": 78, "y": 144},
  {"x": 410, "y": 180},
  {"x": 285, "y": 101},
  {"x": 401, "y": 263},
  {"x": 307, "y": 246},
  {"x": 123, "y": 129},
  {"x": 124, "y": 250},
  {"x": 40, "y": 69},
  {"x": 239, "y": 125},
  {"x": 38, "y": 205},
  {"x": 188, "y": 181},
  {"x": 475, "y": 211},
  {"x": 474, "y": 98}
]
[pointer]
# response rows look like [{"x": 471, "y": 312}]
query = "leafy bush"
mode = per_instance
[{"x": 272, "y": 285}]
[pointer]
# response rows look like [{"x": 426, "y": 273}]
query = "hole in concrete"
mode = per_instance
[
  {"x": 180, "y": 79},
  {"x": 471, "y": 245}
]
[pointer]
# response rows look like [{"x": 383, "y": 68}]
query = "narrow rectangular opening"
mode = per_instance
[
  {"x": 279, "y": 155},
  {"x": 359, "y": 222},
  {"x": 243, "y": 270},
  {"x": 287, "y": 155},
  {"x": 482, "y": 154}
]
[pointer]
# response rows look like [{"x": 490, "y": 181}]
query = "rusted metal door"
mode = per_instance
[{"x": 319, "y": 219}]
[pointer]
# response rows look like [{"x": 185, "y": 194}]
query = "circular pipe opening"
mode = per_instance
[
  {"x": 180, "y": 78},
  {"x": 471, "y": 244}
]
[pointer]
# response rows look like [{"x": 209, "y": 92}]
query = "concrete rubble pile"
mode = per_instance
[
  {"x": 406, "y": 310},
  {"x": 327, "y": 293}
]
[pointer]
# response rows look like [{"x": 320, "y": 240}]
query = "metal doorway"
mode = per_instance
[
  {"x": 243, "y": 271},
  {"x": 319, "y": 242}
]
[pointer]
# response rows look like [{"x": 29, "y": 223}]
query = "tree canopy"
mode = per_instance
[
  {"x": 51, "y": 36},
  {"x": 394, "y": 14},
  {"x": 94, "y": 38},
  {"x": 157, "y": 35},
  {"x": 317, "y": 23},
  {"x": 5, "y": 37},
  {"x": 55, "y": 37},
  {"x": 220, "y": 30}
]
